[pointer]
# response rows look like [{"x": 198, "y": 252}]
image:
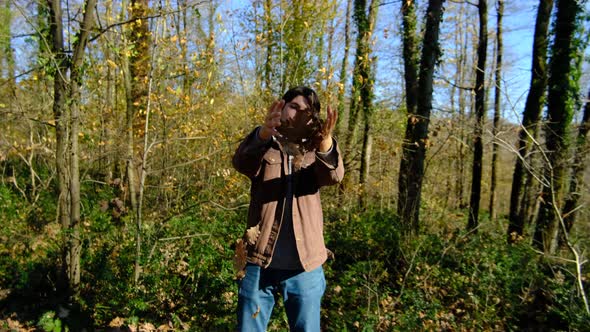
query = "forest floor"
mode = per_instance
[{"x": 19, "y": 316}]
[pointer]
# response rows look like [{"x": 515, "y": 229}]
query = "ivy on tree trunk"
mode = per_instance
[
  {"x": 416, "y": 139},
  {"x": 530, "y": 118},
  {"x": 560, "y": 110}
]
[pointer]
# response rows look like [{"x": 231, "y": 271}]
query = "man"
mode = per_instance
[{"x": 287, "y": 159}]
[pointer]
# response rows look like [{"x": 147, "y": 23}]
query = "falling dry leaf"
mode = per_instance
[
  {"x": 240, "y": 259},
  {"x": 252, "y": 234},
  {"x": 254, "y": 315},
  {"x": 300, "y": 138}
]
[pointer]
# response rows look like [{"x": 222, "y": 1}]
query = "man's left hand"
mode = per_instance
[{"x": 327, "y": 130}]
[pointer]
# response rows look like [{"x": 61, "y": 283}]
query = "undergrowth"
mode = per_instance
[{"x": 380, "y": 280}]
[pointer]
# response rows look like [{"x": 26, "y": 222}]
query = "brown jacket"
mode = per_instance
[{"x": 266, "y": 166}]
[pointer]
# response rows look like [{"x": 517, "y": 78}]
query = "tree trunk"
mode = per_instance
[
  {"x": 107, "y": 122},
  {"x": 361, "y": 77},
  {"x": 530, "y": 197},
  {"x": 319, "y": 52},
  {"x": 561, "y": 95},
  {"x": 530, "y": 118},
  {"x": 460, "y": 190},
  {"x": 136, "y": 95},
  {"x": 480, "y": 110},
  {"x": 497, "y": 107},
  {"x": 344, "y": 69},
  {"x": 211, "y": 59},
  {"x": 570, "y": 209},
  {"x": 269, "y": 36},
  {"x": 68, "y": 159},
  {"x": 328, "y": 85},
  {"x": 61, "y": 129},
  {"x": 416, "y": 140},
  {"x": 408, "y": 213},
  {"x": 367, "y": 97},
  {"x": 366, "y": 159},
  {"x": 74, "y": 96},
  {"x": 182, "y": 31},
  {"x": 411, "y": 58},
  {"x": 7, "y": 60}
]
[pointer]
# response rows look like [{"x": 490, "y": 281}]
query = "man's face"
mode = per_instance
[{"x": 296, "y": 114}]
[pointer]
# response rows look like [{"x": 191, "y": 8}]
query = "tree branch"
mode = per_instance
[
  {"x": 468, "y": 88},
  {"x": 6, "y": 81},
  {"x": 183, "y": 237},
  {"x": 101, "y": 30}
]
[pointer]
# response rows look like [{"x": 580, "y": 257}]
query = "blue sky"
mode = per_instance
[
  {"x": 519, "y": 22},
  {"x": 518, "y": 25}
]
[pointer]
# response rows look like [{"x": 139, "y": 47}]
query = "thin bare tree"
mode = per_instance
[
  {"x": 480, "y": 109},
  {"x": 497, "y": 108}
]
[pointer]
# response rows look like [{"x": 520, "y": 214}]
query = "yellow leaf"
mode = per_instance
[{"x": 112, "y": 63}]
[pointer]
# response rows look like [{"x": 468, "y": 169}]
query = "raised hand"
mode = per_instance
[
  {"x": 327, "y": 129},
  {"x": 271, "y": 121}
]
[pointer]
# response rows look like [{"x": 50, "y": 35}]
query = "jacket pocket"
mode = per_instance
[{"x": 272, "y": 165}]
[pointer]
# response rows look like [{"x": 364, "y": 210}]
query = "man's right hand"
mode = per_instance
[{"x": 271, "y": 121}]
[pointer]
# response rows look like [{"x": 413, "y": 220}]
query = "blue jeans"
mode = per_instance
[{"x": 301, "y": 291}]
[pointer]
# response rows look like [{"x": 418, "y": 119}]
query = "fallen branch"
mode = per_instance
[{"x": 183, "y": 237}]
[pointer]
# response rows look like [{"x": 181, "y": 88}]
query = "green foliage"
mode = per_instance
[
  {"x": 366, "y": 248},
  {"x": 374, "y": 234},
  {"x": 204, "y": 93},
  {"x": 187, "y": 272},
  {"x": 25, "y": 248},
  {"x": 567, "y": 307},
  {"x": 379, "y": 280},
  {"x": 443, "y": 281},
  {"x": 50, "y": 323}
]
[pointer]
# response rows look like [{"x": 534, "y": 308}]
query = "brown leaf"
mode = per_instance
[
  {"x": 240, "y": 259},
  {"x": 147, "y": 327},
  {"x": 164, "y": 328},
  {"x": 116, "y": 322},
  {"x": 254, "y": 315},
  {"x": 104, "y": 205},
  {"x": 252, "y": 234},
  {"x": 302, "y": 137}
]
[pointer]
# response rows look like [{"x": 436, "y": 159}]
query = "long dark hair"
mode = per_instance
[{"x": 308, "y": 93}]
